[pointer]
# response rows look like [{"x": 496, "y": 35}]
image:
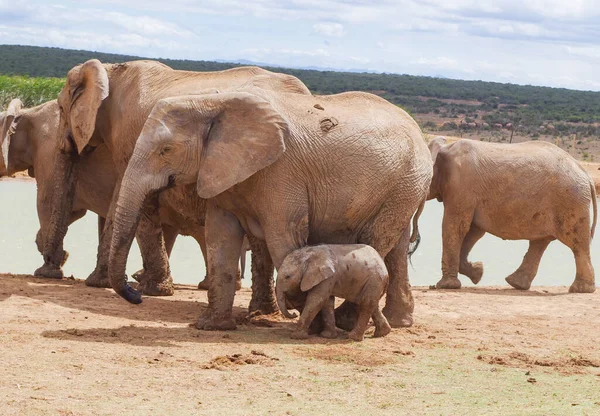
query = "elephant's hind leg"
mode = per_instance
[
  {"x": 522, "y": 277},
  {"x": 473, "y": 271},
  {"x": 585, "y": 281},
  {"x": 399, "y": 304},
  {"x": 382, "y": 326}
]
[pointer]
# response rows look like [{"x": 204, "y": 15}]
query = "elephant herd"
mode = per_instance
[{"x": 248, "y": 158}]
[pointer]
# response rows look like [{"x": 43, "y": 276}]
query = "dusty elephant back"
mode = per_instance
[
  {"x": 353, "y": 153},
  {"x": 520, "y": 191}
]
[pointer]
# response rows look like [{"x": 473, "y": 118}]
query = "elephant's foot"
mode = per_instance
[
  {"x": 382, "y": 330},
  {"x": 205, "y": 283},
  {"x": 448, "y": 283},
  {"x": 317, "y": 325},
  {"x": 152, "y": 287},
  {"x": 329, "y": 333},
  {"x": 346, "y": 316},
  {"x": 208, "y": 321},
  {"x": 397, "y": 318},
  {"x": 519, "y": 281},
  {"x": 263, "y": 305},
  {"x": 299, "y": 334},
  {"x": 49, "y": 271},
  {"x": 356, "y": 335},
  {"x": 474, "y": 272},
  {"x": 582, "y": 286},
  {"x": 98, "y": 279}
]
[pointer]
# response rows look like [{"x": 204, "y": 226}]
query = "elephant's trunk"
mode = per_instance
[
  {"x": 135, "y": 187},
  {"x": 281, "y": 302},
  {"x": 62, "y": 197}
]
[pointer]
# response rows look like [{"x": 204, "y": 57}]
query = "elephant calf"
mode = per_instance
[
  {"x": 527, "y": 191},
  {"x": 311, "y": 277}
]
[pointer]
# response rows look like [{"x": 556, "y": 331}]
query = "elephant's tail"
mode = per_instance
[
  {"x": 415, "y": 237},
  {"x": 594, "y": 206}
]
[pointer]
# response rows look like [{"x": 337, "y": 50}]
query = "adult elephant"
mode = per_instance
[
  {"x": 291, "y": 170},
  {"x": 527, "y": 191},
  {"x": 28, "y": 138},
  {"x": 108, "y": 104},
  {"x": 29, "y": 142}
]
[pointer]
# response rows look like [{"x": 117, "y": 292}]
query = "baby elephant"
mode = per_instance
[
  {"x": 311, "y": 277},
  {"x": 527, "y": 191}
]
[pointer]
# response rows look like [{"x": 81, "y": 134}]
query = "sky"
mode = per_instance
[{"x": 540, "y": 42}]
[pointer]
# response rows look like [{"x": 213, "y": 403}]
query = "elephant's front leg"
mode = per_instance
[
  {"x": 49, "y": 268},
  {"x": 455, "y": 225},
  {"x": 263, "y": 294},
  {"x": 522, "y": 277},
  {"x": 399, "y": 303},
  {"x": 473, "y": 271},
  {"x": 317, "y": 299},
  {"x": 205, "y": 283},
  {"x": 64, "y": 178},
  {"x": 157, "y": 279},
  {"x": 169, "y": 235},
  {"x": 224, "y": 236}
]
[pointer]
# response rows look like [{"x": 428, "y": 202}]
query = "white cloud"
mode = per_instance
[
  {"x": 329, "y": 29},
  {"x": 550, "y": 42}
]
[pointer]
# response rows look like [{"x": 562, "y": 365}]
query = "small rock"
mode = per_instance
[
  {"x": 531, "y": 380},
  {"x": 319, "y": 107}
]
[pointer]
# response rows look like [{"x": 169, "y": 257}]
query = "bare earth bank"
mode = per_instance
[{"x": 68, "y": 349}]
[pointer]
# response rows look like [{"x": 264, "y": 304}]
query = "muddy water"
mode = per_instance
[{"x": 18, "y": 253}]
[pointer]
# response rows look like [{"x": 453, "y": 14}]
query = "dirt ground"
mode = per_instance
[{"x": 67, "y": 349}]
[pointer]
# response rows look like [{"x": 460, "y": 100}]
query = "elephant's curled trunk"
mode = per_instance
[
  {"x": 132, "y": 194},
  {"x": 281, "y": 302}
]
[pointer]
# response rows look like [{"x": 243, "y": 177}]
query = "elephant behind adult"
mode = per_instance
[
  {"x": 347, "y": 168},
  {"x": 527, "y": 191},
  {"x": 29, "y": 142},
  {"x": 109, "y": 103}
]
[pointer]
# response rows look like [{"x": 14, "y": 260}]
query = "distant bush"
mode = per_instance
[{"x": 32, "y": 91}]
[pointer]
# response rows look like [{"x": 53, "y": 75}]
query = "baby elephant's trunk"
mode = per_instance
[{"x": 281, "y": 302}]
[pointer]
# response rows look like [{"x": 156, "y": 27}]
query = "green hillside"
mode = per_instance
[{"x": 436, "y": 102}]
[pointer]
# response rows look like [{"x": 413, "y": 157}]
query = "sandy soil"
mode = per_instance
[{"x": 67, "y": 349}]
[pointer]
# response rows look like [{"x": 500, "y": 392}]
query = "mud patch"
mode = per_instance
[
  {"x": 567, "y": 365},
  {"x": 234, "y": 361},
  {"x": 256, "y": 319},
  {"x": 348, "y": 354}
]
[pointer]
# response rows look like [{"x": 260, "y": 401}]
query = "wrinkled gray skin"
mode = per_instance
[
  {"x": 288, "y": 169},
  {"x": 527, "y": 191},
  {"x": 311, "y": 277},
  {"x": 29, "y": 139},
  {"x": 109, "y": 104}
]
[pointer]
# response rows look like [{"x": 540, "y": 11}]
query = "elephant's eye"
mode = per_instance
[
  {"x": 165, "y": 150},
  {"x": 288, "y": 276}
]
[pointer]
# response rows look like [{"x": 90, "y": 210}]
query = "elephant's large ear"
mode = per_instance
[
  {"x": 244, "y": 134},
  {"x": 321, "y": 267},
  {"x": 86, "y": 89},
  {"x": 435, "y": 145},
  {"x": 9, "y": 126}
]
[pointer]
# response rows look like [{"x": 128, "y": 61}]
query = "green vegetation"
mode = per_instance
[
  {"x": 32, "y": 91},
  {"x": 527, "y": 107}
]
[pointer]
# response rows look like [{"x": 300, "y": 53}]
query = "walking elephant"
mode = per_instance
[
  {"x": 285, "y": 168},
  {"x": 108, "y": 104},
  {"x": 527, "y": 191}
]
